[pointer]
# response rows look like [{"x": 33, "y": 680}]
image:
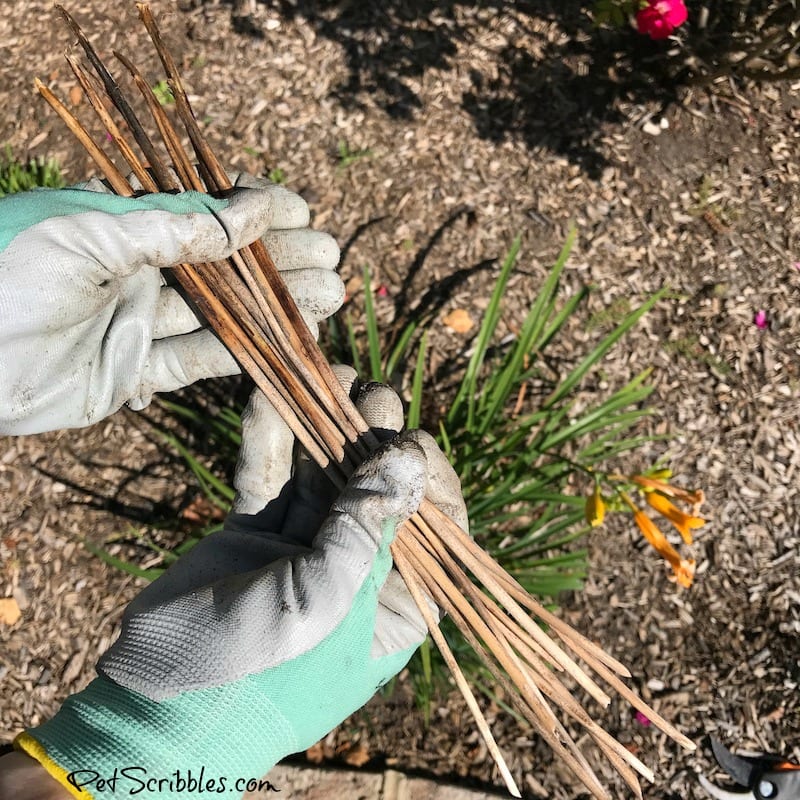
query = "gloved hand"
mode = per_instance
[
  {"x": 86, "y": 323},
  {"x": 269, "y": 633}
]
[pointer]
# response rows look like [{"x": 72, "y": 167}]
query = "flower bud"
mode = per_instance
[{"x": 595, "y": 508}]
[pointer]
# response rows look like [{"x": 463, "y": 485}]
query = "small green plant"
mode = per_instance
[
  {"x": 274, "y": 174},
  {"x": 18, "y": 176},
  {"x": 707, "y": 205},
  {"x": 163, "y": 93},
  {"x": 611, "y": 315},
  {"x": 516, "y": 468},
  {"x": 348, "y": 156},
  {"x": 690, "y": 347}
]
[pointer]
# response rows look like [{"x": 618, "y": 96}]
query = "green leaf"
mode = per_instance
[
  {"x": 444, "y": 441},
  {"x": 120, "y": 564},
  {"x": 558, "y": 322},
  {"x": 216, "y": 490},
  {"x": 399, "y": 350},
  {"x": 486, "y": 332},
  {"x": 415, "y": 407},
  {"x": 226, "y": 425},
  {"x": 373, "y": 337},
  {"x": 544, "y": 534},
  {"x": 572, "y": 380},
  {"x": 501, "y": 384}
]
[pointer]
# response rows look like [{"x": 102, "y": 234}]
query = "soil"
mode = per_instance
[{"x": 425, "y": 136}]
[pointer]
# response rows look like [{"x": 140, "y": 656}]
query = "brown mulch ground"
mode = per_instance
[{"x": 480, "y": 123}]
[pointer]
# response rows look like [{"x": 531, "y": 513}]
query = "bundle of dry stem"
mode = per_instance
[{"x": 246, "y": 303}]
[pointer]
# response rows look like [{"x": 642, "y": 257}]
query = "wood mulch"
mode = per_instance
[{"x": 463, "y": 126}]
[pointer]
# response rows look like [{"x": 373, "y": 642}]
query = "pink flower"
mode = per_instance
[
  {"x": 659, "y": 18},
  {"x": 642, "y": 719},
  {"x": 382, "y": 291},
  {"x": 760, "y": 319}
]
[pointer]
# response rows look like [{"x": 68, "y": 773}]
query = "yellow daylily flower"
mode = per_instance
[
  {"x": 684, "y": 522},
  {"x": 595, "y": 508}
]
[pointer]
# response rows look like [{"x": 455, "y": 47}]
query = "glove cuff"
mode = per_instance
[
  {"x": 94, "y": 738},
  {"x": 109, "y": 741},
  {"x": 32, "y": 747}
]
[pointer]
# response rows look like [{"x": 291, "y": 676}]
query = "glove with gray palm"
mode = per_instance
[{"x": 271, "y": 632}]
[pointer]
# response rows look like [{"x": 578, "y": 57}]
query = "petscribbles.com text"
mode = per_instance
[{"x": 134, "y": 780}]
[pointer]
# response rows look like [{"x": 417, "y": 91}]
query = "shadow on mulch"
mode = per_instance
[
  {"x": 124, "y": 496},
  {"x": 556, "y": 95}
]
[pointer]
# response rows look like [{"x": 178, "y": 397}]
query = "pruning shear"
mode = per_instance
[{"x": 766, "y": 777}]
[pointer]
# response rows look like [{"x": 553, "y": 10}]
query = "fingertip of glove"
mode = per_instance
[
  {"x": 303, "y": 248},
  {"x": 407, "y": 461},
  {"x": 381, "y": 408},
  {"x": 248, "y": 181},
  {"x": 319, "y": 293},
  {"x": 285, "y": 209},
  {"x": 326, "y": 252},
  {"x": 423, "y": 439},
  {"x": 347, "y": 377},
  {"x": 94, "y": 184},
  {"x": 407, "y": 443}
]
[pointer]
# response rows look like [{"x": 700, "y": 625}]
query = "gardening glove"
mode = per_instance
[
  {"x": 269, "y": 633},
  {"x": 86, "y": 320}
]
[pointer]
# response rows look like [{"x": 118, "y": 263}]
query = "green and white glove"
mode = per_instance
[
  {"x": 267, "y": 634},
  {"x": 87, "y": 323}
]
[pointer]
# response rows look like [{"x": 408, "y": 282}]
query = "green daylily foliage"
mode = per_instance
[{"x": 515, "y": 469}]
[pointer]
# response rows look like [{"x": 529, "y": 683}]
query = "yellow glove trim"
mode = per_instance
[{"x": 27, "y": 744}]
